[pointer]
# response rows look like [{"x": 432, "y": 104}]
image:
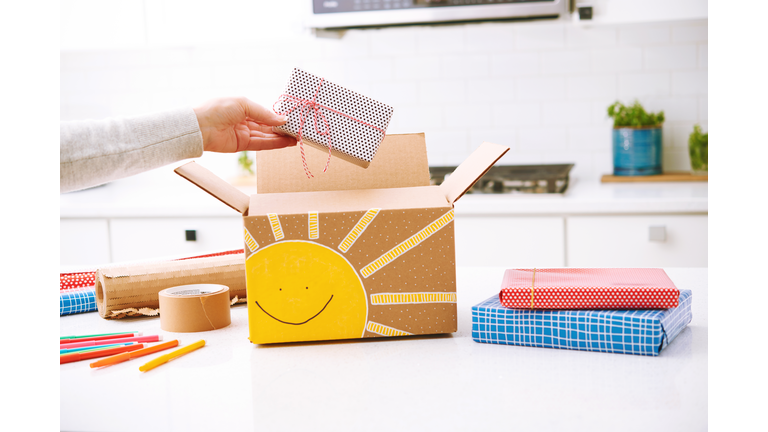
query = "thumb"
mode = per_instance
[{"x": 259, "y": 114}]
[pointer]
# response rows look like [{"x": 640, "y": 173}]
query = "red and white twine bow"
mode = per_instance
[{"x": 313, "y": 107}]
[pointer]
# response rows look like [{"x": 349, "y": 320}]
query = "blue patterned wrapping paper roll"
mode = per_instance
[
  {"x": 640, "y": 332},
  {"x": 77, "y": 300}
]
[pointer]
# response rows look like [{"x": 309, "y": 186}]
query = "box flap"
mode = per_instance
[
  {"x": 353, "y": 200},
  {"x": 401, "y": 161},
  {"x": 215, "y": 186},
  {"x": 470, "y": 171}
]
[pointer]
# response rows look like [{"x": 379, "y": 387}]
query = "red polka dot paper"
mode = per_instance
[{"x": 594, "y": 288}]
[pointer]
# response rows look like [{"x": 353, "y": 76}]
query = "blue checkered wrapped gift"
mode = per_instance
[
  {"x": 77, "y": 300},
  {"x": 642, "y": 332}
]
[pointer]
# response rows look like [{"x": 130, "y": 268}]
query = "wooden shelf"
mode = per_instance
[{"x": 666, "y": 177}]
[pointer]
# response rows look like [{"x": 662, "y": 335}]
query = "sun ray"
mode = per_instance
[
  {"x": 407, "y": 245},
  {"x": 277, "y": 230},
  {"x": 314, "y": 226},
  {"x": 410, "y": 298},
  {"x": 385, "y": 330},
  {"x": 250, "y": 241},
  {"x": 361, "y": 225}
]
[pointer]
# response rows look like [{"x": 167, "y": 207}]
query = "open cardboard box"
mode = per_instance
[{"x": 351, "y": 253}]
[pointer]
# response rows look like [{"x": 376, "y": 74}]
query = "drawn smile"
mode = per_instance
[{"x": 292, "y": 323}]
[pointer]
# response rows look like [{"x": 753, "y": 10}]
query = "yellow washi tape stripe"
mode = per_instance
[
  {"x": 385, "y": 330},
  {"x": 403, "y": 298},
  {"x": 277, "y": 230},
  {"x": 314, "y": 228},
  {"x": 407, "y": 244},
  {"x": 250, "y": 242},
  {"x": 362, "y": 224}
]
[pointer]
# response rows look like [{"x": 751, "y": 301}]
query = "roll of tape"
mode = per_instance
[{"x": 194, "y": 308}]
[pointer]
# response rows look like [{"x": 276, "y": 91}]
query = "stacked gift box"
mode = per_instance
[{"x": 629, "y": 311}]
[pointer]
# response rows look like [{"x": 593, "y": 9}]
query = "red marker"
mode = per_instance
[
  {"x": 77, "y": 356},
  {"x": 153, "y": 338}
]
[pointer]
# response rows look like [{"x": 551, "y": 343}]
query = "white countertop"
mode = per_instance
[
  {"x": 162, "y": 193},
  {"x": 441, "y": 383}
]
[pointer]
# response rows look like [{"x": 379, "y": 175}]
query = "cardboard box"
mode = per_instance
[{"x": 360, "y": 253}]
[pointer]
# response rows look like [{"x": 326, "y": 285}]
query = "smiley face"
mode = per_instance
[{"x": 303, "y": 291}]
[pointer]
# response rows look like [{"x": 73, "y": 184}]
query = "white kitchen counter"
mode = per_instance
[
  {"x": 162, "y": 193},
  {"x": 445, "y": 383}
]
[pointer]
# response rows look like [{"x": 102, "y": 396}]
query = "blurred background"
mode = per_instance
[{"x": 539, "y": 86}]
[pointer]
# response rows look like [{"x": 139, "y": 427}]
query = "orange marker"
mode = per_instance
[
  {"x": 133, "y": 354},
  {"x": 77, "y": 356}
]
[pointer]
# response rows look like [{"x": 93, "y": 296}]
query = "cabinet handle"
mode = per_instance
[
  {"x": 657, "y": 233},
  {"x": 191, "y": 235}
]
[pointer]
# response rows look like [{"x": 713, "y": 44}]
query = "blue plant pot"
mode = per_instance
[{"x": 637, "y": 152}]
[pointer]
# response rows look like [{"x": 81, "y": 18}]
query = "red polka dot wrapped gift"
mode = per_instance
[{"x": 588, "y": 288}]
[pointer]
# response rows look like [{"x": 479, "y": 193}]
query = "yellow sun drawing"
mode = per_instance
[
  {"x": 301, "y": 290},
  {"x": 306, "y": 291}
]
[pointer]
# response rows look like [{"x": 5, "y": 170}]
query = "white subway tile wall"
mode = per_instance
[{"x": 541, "y": 88}]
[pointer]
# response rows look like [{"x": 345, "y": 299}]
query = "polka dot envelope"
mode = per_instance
[
  {"x": 348, "y": 264},
  {"x": 588, "y": 288}
]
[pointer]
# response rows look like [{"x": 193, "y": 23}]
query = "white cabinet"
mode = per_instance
[
  {"x": 147, "y": 238},
  {"x": 509, "y": 241},
  {"x": 637, "y": 241},
  {"x": 84, "y": 242}
]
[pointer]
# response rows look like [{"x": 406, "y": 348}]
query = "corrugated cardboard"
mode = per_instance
[
  {"x": 341, "y": 264},
  {"x": 132, "y": 289},
  {"x": 401, "y": 161}
]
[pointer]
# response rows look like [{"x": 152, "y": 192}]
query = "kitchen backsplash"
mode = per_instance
[{"x": 541, "y": 88}]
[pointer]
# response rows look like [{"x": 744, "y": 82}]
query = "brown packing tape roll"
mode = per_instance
[
  {"x": 136, "y": 286},
  {"x": 194, "y": 308}
]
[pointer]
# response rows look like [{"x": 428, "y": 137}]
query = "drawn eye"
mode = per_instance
[{"x": 307, "y": 288}]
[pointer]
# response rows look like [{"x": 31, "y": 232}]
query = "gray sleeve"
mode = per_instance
[{"x": 94, "y": 152}]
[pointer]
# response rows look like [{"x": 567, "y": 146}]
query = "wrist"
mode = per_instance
[{"x": 202, "y": 124}]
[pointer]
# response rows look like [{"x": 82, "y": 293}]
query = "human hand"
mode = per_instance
[{"x": 232, "y": 125}]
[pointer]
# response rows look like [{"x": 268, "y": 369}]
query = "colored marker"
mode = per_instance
[
  {"x": 102, "y": 334},
  {"x": 134, "y": 354},
  {"x": 152, "y": 338},
  {"x": 99, "y": 337},
  {"x": 163, "y": 359},
  {"x": 89, "y": 348},
  {"x": 77, "y": 356}
]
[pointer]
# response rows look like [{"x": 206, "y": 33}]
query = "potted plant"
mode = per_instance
[
  {"x": 697, "y": 146},
  {"x": 637, "y": 148}
]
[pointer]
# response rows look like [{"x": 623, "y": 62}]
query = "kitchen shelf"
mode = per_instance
[{"x": 666, "y": 177}]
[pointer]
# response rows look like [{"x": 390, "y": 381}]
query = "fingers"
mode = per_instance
[
  {"x": 270, "y": 143},
  {"x": 253, "y": 126},
  {"x": 261, "y": 115}
]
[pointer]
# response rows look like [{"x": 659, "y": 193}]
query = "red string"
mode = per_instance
[{"x": 315, "y": 109}]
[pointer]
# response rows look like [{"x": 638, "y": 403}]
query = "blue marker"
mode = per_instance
[{"x": 71, "y": 350}]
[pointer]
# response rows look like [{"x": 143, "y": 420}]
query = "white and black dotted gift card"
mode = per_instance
[{"x": 356, "y": 123}]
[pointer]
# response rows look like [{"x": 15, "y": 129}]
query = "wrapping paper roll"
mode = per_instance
[
  {"x": 194, "y": 308},
  {"x": 133, "y": 290}
]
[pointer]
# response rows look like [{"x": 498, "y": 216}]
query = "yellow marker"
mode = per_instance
[{"x": 163, "y": 359}]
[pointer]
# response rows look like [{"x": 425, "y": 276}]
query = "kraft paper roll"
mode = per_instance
[
  {"x": 132, "y": 290},
  {"x": 194, "y": 308}
]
